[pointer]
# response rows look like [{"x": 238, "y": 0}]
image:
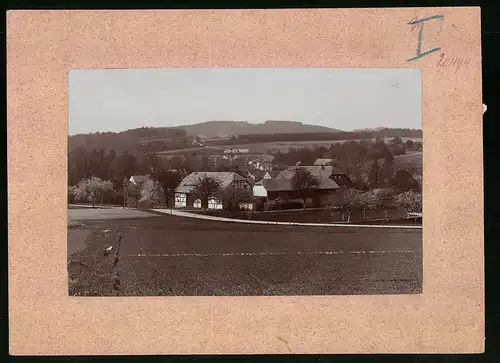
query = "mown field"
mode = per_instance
[
  {"x": 169, "y": 255},
  {"x": 395, "y": 216},
  {"x": 286, "y": 145}
]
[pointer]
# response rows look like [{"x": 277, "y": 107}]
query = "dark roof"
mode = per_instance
[
  {"x": 138, "y": 178},
  {"x": 316, "y": 170},
  {"x": 322, "y": 173},
  {"x": 274, "y": 173},
  {"x": 274, "y": 185},
  {"x": 258, "y": 174},
  {"x": 226, "y": 178}
]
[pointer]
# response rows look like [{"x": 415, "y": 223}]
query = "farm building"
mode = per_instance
[
  {"x": 183, "y": 192},
  {"x": 264, "y": 165},
  {"x": 321, "y": 172}
]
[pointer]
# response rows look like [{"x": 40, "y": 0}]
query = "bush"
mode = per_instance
[
  {"x": 286, "y": 205},
  {"x": 231, "y": 198},
  {"x": 411, "y": 201}
]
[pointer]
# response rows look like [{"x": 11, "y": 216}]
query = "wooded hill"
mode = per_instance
[{"x": 212, "y": 129}]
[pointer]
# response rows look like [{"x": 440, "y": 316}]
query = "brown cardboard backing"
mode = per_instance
[{"x": 42, "y": 46}]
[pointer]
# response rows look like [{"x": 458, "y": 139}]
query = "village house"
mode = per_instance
[
  {"x": 234, "y": 153},
  {"x": 183, "y": 192},
  {"x": 330, "y": 172},
  {"x": 263, "y": 163},
  {"x": 270, "y": 190}
]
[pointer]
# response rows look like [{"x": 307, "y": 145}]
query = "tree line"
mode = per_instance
[{"x": 324, "y": 136}]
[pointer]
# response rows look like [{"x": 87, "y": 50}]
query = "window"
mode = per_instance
[
  {"x": 240, "y": 184},
  {"x": 180, "y": 200}
]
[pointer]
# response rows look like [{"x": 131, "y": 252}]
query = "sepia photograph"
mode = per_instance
[{"x": 244, "y": 181}]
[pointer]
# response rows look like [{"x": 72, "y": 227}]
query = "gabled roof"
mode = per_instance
[
  {"x": 275, "y": 185},
  {"x": 315, "y": 170},
  {"x": 273, "y": 174},
  {"x": 322, "y": 173},
  {"x": 259, "y": 182},
  {"x": 258, "y": 174},
  {"x": 323, "y": 161},
  {"x": 135, "y": 179},
  {"x": 226, "y": 178}
]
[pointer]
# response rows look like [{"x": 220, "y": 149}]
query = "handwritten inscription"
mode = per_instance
[
  {"x": 453, "y": 62},
  {"x": 414, "y": 23}
]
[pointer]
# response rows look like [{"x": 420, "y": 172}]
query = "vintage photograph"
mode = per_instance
[{"x": 244, "y": 181}]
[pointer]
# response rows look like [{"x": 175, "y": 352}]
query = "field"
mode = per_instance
[
  {"x": 130, "y": 253},
  {"x": 408, "y": 161},
  {"x": 323, "y": 215},
  {"x": 264, "y": 147}
]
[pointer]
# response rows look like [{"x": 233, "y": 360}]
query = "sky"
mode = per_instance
[{"x": 342, "y": 98}]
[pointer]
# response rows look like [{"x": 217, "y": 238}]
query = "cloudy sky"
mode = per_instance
[{"x": 341, "y": 98}]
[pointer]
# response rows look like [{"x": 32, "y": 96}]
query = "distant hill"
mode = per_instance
[
  {"x": 212, "y": 129},
  {"x": 146, "y": 139}
]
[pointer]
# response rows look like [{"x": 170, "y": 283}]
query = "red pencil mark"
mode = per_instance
[{"x": 414, "y": 26}]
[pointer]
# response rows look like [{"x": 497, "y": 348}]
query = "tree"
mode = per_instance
[
  {"x": 205, "y": 188},
  {"x": 177, "y": 162},
  {"x": 304, "y": 182},
  {"x": 365, "y": 201},
  {"x": 206, "y": 163},
  {"x": 93, "y": 189},
  {"x": 387, "y": 170},
  {"x": 411, "y": 201},
  {"x": 151, "y": 191},
  {"x": 347, "y": 201},
  {"x": 72, "y": 193},
  {"x": 123, "y": 166},
  {"x": 168, "y": 180},
  {"x": 193, "y": 162},
  {"x": 417, "y": 176},
  {"x": 231, "y": 198},
  {"x": 151, "y": 162},
  {"x": 403, "y": 181},
  {"x": 373, "y": 175},
  {"x": 397, "y": 141},
  {"x": 409, "y": 145},
  {"x": 384, "y": 199}
]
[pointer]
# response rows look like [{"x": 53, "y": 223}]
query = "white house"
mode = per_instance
[
  {"x": 236, "y": 151},
  {"x": 185, "y": 198},
  {"x": 264, "y": 163},
  {"x": 323, "y": 162}
]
